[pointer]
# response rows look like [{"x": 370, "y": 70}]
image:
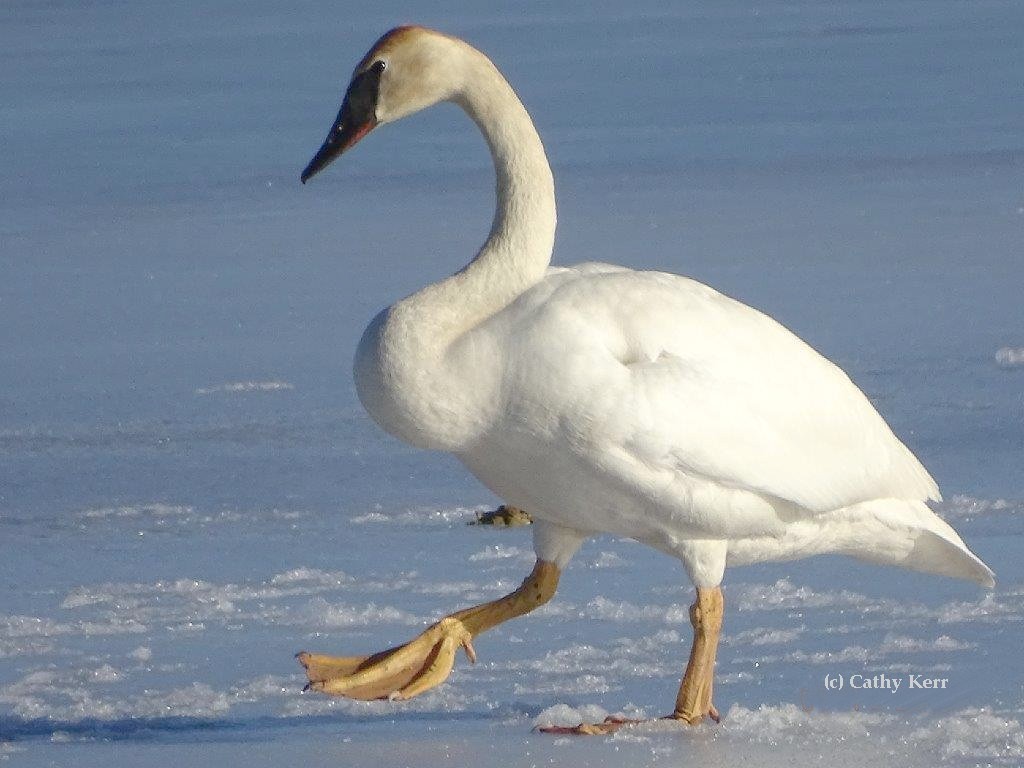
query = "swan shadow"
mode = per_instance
[{"x": 15, "y": 729}]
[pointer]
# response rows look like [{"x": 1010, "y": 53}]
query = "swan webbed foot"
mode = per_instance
[
  {"x": 398, "y": 673},
  {"x": 425, "y": 661},
  {"x": 606, "y": 727},
  {"x": 613, "y": 723},
  {"x": 693, "y": 703},
  {"x": 504, "y": 516}
]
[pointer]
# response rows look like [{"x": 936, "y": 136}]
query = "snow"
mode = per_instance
[
  {"x": 141, "y": 654},
  {"x": 245, "y": 386},
  {"x": 563, "y": 714},
  {"x": 963, "y": 506},
  {"x": 501, "y": 552},
  {"x": 190, "y": 492},
  {"x": 420, "y": 516},
  {"x": 976, "y": 735},
  {"x": 1010, "y": 357}
]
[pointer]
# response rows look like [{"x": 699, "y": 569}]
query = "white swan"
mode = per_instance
[{"x": 602, "y": 399}]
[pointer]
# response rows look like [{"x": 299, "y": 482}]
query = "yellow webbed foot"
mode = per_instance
[
  {"x": 398, "y": 673},
  {"x": 505, "y": 515},
  {"x": 611, "y": 724},
  {"x": 606, "y": 727},
  {"x": 427, "y": 660},
  {"x": 697, "y": 715}
]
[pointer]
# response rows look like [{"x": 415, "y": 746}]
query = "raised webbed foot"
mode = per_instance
[{"x": 399, "y": 673}]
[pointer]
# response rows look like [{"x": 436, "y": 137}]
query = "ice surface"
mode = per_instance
[{"x": 190, "y": 492}]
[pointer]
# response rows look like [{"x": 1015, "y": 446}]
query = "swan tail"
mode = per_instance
[{"x": 914, "y": 537}]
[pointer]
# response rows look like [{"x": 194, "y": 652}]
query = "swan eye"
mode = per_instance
[{"x": 379, "y": 66}]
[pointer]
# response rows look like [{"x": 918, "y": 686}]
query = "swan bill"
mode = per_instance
[
  {"x": 344, "y": 135},
  {"x": 356, "y": 118}
]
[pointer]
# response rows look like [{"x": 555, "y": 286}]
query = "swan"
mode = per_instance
[{"x": 606, "y": 400}]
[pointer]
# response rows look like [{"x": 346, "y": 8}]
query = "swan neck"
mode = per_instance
[
  {"x": 518, "y": 248},
  {"x": 423, "y": 369}
]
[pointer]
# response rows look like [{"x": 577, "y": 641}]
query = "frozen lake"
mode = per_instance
[{"x": 190, "y": 491}]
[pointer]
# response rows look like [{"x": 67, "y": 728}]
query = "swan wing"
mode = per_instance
[{"x": 651, "y": 376}]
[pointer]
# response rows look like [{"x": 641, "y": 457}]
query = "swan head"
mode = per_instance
[{"x": 408, "y": 69}]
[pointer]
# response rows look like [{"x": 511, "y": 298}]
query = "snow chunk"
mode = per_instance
[
  {"x": 246, "y": 386},
  {"x": 321, "y": 613},
  {"x": 627, "y": 658},
  {"x": 785, "y": 594},
  {"x": 897, "y": 644},
  {"x": 71, "y": 697},
  {"x": 1010, "y": 357},
  {"x": 420, "y": 516},
  {"x": 265, "y": 687},
  {"x": 137, "y": 510},
  {"x": 578, "y": 685},
  {"x": 622, "y": 611},
  {"x": 859, "y": 654},
  {"x": 501, "y": 552},
  {"x": 786, "y": 722},
  {"x": 25, "y": 647},
  {"x": 968, "y": 507},
  {"x": 976, "y": 734},
  {"x": 7, "y": 748},
  {"x": 563, "y": 714},
  {"x": 852, "y": 653},
  {"x": 312, "y": 577},
  {"x": 370, "y": 517},
  {"x": 106, "y": 674},
  {"x": 159, "y": 516},
  {"x": 33, "y": 627},
  {"x": 605, "y": 560},
  {"x": 765, "y": 636},
  {"x": 196, "y": 700},
  {"x": 988, "y": 608},
  {"x": 446, "y": 698}
]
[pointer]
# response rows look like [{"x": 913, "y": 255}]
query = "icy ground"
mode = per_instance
[{"x": 190, "y": 493}]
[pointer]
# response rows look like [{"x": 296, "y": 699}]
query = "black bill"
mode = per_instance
[{"x": 356, "y": 118}]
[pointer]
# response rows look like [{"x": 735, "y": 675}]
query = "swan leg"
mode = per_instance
[
  {"x": 694, "y": 700},
  {"x": 425, "y": 661}
]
